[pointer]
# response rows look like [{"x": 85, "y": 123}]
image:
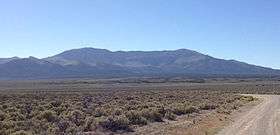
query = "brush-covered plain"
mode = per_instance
[{"x": 88, "y": 109}]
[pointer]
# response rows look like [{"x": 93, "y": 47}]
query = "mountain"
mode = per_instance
[
  {"x": 5, "y": 60},
  {"x": 29, "y": 68},
  {"x": 34, "y": 68},
  {"x": 158, "y": 62},
  {"x": 99, "y": 63}
]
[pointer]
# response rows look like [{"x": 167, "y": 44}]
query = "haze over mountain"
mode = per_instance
[{"x": 99, "y": 63}]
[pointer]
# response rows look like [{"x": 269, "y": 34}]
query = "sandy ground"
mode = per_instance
[{"x": 262, "y": 119}]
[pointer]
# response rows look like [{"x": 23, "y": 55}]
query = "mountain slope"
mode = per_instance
[
  {"x": 91, "y": 62},
  {"x": 94, "y": 57},
  {"x": 5, "y": 60},
  {"x": 159, "y": 62},
  {"x": 30, "y": 68},
  {"x": 33, "y": 68}
]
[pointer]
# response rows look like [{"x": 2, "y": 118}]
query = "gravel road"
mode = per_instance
[{"x": 263, "y": 119}]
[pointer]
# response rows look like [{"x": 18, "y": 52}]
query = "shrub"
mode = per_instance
[
  {"x": 100, "y": 112},
  {"x": 115, "y": 123},
  {"x": 50, "y": 116},
  {"x": 135, "y": 118},
  {"x": 90, "y": 124},
  {"x": 2, "y": 116},
  {"x": 77, "y": 117},
  {"x": 52, "y": 129},
  {"x": 8, "y": 125},
  {"x": 72, "y": 129},
  {"x": 247, "y": 98},
  {"x": 63, "y": 125},
  {"x": 152, "y": 115},
  {"x": 117, "y": 111},
  {"x": 5, "y": 106},
  {"x": 206, "y": 106},
  {"x": 16, "y": 116},
  {"x": 181, "y": 109},
  {"x": 224, "y": 109},
  {"x": 170, "y": 115},
  {"x": 21, "y": 132},
  {"x": 55, "y": 103}
]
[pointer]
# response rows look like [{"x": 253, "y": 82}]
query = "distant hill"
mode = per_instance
[{"x": 99, "y": 63}]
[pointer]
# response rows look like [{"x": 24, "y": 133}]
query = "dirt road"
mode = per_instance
[{"x": 263, "y": 119}]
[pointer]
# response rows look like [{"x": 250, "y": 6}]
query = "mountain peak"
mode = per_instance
[
  {"x": 184, "y": 50},
  {"x": 33, "y": 58},
  {"x": 5, "y": 60},
  {"x": 89, "y": 49}
]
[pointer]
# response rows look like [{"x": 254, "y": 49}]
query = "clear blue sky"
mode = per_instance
[{"x": 246, "y": 30}]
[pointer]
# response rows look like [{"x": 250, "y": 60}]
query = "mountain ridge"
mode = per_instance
[{"x": 96, "y": 63}]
